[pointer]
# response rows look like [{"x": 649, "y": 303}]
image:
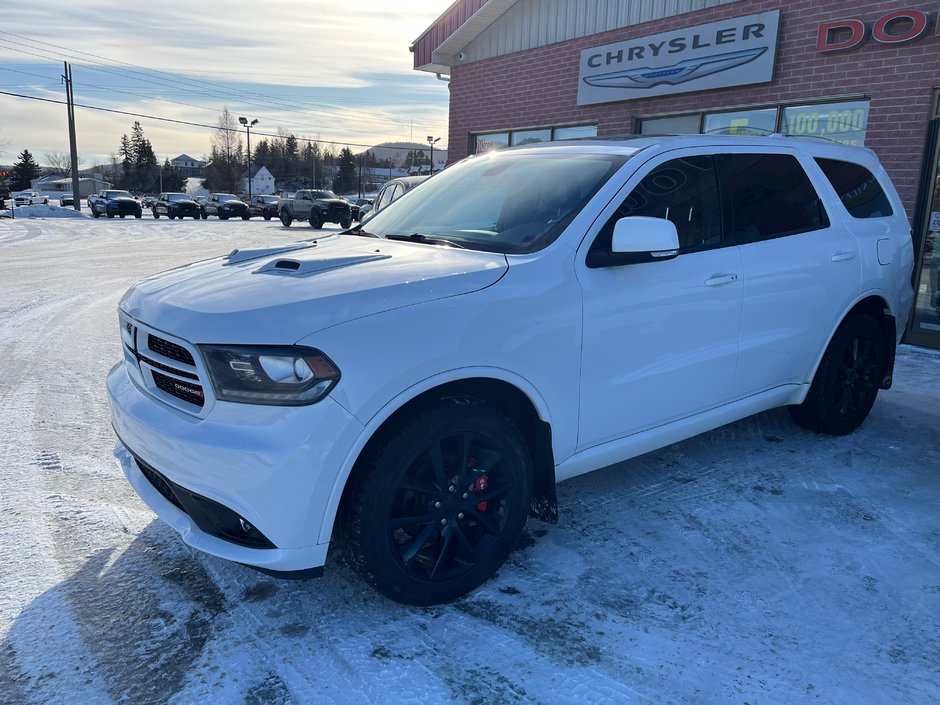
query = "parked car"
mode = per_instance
[
  {"x": 543, "y": 311},
  {"x": 392, "y": 191},
  {"x": 148, "y": 201},
  {"x": 225, "y": 206},
  {"x": 113, "y": 203},
  {"x": 364, "y": 205},
  {"x": 317, "y": 207},
  {"x": 29, "y": 198},
  {"x": 66, "y": 199},
  {"x": 176, "y": 205},
  {"x": 264, "y": 206}
]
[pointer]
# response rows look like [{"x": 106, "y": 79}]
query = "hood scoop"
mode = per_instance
[
  {"x": 237, "y": 255},
  {"x": 308, "y": 267}
]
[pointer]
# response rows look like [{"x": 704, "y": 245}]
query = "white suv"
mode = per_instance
[{"x": 523, "y": 317}]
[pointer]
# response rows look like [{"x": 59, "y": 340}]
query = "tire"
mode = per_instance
[
  {"x": 847, "y": 381},
  {"x": 94, "y": 213},
  {"x": 267, "y": 216},
  {"x": 439, "y": 503},
  {"x": 110, "y": 215},
  {"x": 123, "y": 215},
  {"x": 316, "y": 221},
  {"x": 139, "y": 215},
  {"x": 286, "y": 218},
  {"x": 246, "y": 217},
  {"x": 223, "y": 217},
  {"x": 156, "y": 215},
  {"x": 204, "y": 215},
  {"x": 45, "y": 202},
  {"x": 346, "y": 224},
  {"x": 197, "y": 217}
]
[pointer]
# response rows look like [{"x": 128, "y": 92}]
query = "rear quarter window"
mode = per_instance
[{"x": 858, "y": 189}]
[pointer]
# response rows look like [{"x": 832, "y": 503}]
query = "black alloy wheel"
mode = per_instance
[
  {"x": 847, "y": 381},
  {"x": 286, "y": 218},
  {"x": 440, "y": 503}
]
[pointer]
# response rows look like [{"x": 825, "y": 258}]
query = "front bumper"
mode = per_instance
[{"x": 276, "y": 467}]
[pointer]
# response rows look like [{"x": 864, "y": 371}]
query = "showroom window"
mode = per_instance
[
  {"x": 500, "y": 140},
  {"x": 843, "y": 121}
]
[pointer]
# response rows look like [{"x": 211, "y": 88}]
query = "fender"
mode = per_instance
[
  {"x": 889, "y": 329},
  {"x": 394, "y": 404}
]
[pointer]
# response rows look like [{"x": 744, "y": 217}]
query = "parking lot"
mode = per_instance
[{"x": 757, "y": 563}]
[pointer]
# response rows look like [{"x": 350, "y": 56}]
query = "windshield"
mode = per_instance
[
  {"x": 324, "y": 194},
  {"x": 177, "y": 197},
  {"x": 508, "y": 202},
  {"x": 270, "y": 199},
  {"x": 227, "y": 197},
  {"x": 117, "y": 194}
]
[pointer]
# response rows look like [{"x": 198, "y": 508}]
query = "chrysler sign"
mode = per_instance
[{"x": 733, "y": 52}]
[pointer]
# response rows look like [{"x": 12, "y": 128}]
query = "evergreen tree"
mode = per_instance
[
  {"x": 127, "y": 163},
  {"x": 347, "y": 179},
  {"x": 172, "y": 179},
  {"x": 24, "y": 171}
]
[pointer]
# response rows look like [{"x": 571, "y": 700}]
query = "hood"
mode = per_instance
[
  {"x": 276, "y": 296},
  {"x": 122, "y": 199}
]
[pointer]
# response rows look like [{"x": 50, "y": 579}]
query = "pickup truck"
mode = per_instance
[{"x": 316, "y": 206}]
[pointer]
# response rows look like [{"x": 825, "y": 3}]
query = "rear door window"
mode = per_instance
[
  {"x": 858, "y": 189},
  {"x": 768, "y": 196}
]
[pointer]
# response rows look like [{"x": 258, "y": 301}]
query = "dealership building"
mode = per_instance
[{"x": 864, "y": 73}]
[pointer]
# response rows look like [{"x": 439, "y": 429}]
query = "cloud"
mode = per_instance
[{"x": 304, "y": 67}]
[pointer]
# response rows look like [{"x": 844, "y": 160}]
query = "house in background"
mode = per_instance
[
  {"x": 54, "y": 185},
  {"x": 262, "y": 180},
  {"x": 188, "y": 166}
]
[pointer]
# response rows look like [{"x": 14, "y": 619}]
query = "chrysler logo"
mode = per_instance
[{"x": 688, "y": 70}]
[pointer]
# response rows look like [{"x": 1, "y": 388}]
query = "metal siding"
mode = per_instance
[{"x": 534, "y": 23}]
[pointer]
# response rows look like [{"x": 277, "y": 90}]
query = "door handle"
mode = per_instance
[
  {"x": 842, "y": 256},
  {"x": 721, "y": 279}
]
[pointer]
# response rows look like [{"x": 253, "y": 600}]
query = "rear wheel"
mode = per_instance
[
  {"x": 246, "y": 217},
  {"x": 286, "y": 218},
  {"x": 267, "y": 216},
  {"x": 156, "y": 215},
  {"x": 346, "y": 224},
  {"x": 223, "y": 217},
  {"x": 440, "y": 502},
  {"x": 847, "y": 381}
]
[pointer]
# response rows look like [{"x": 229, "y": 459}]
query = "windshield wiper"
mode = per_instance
[{"x": 418, "y": 237}]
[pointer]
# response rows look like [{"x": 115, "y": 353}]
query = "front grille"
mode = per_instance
[
  {"x": 338, "y": 211},
  {"x": 166, "y": 368},
  {"x": 191, "y": 393},
  {"x": 170, "y": 350}
]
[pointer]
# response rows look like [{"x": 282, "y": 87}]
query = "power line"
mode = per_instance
[{"x": 193, "y": 124}]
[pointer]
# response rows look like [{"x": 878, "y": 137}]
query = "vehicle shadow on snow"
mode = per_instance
[{"x": 736, "y": 560}]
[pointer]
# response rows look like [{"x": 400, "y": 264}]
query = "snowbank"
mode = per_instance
[{"x": 45, "y": 211}]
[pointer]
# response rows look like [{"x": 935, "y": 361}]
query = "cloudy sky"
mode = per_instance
[{"x": 339, "y": 72}]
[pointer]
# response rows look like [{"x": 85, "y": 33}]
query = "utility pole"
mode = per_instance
[{"x": 70, "y": 102}]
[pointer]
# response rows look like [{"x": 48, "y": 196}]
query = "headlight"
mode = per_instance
[{"x": 282, "y": 375}]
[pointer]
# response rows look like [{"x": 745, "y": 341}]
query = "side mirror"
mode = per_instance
[{"x": 637, "y": 240}]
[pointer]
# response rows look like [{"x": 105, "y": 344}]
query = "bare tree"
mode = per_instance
[
  {"x": 228, "y": 156},
  {"x": 59, "y": 163}
]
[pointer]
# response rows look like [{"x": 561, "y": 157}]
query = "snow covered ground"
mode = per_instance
[{"x": 754, "y": 564}]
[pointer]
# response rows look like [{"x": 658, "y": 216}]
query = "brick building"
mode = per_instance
[{"x": 859, "y": 72}]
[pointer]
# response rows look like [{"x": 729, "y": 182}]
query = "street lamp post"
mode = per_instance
[
  {"x": 432, "y": 141},
  {"x": 248, "y": 126}
]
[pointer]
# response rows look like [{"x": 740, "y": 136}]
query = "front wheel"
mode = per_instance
[
  {"x": 223, "y": 217},
  {"x": 156, "y": 215},
  {"x": 316, "y": 220},
  {"x": 440, "y": 502},
  {"x": 139, "y": 215},
  {"x": 246, "y": 217},
  {"x": 286, "y": 218},
  {"x": 94, "y": 213},
  {"x": 267, "y": 216},
  {"x": 847, "y": 381}
]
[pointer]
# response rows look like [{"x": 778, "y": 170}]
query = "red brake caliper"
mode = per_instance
[{"x": 481, "y": 484}]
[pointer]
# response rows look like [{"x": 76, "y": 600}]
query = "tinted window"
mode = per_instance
[
  {"x": 768, "y": 196},
  {"x": 683, "y": 191},
  {"x": 858, "y": 188}
]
